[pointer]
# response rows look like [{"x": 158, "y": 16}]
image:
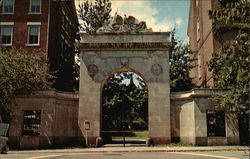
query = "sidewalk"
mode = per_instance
[{"x": 137, "y": 149}]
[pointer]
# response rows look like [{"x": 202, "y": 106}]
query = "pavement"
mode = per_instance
[{"x": 137, "y": 149}]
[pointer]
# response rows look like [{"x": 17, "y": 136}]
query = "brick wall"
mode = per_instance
[{"x": 50, "y": 34}]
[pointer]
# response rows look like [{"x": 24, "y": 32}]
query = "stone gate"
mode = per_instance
[{"x": 145, "y": 53}]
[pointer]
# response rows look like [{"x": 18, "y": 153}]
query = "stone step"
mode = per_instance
[{"x": 126, "y": 145}]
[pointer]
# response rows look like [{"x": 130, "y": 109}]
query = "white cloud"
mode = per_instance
[
  {"x": 143, "y": 11},
  {"x": 178, "y": 21}
]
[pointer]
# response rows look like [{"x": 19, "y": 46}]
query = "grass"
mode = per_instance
[
  {"x": 174, "y": 145},
  {"x": 141, "y": 134},
  {"x": 130, "y": 134}
]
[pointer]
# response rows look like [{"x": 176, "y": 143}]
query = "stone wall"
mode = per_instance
[
  {"x": 189, "y": 119},
  {"x": 58, "y": 126},
  {"x": 60, "y": 113}
]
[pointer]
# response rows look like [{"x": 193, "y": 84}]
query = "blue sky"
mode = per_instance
[
  {"x": 160, "y": 15},
  {"x": 174, "y": 10}
]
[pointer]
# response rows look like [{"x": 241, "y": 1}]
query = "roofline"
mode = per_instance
[{"x": 197, "y": 92}]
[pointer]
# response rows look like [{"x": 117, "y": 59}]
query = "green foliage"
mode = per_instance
[
  {"x": 94, "y": 16},
  {"x": 230, "y": 16},
  {"x": 20, "y": 73},
  {"x": 230, "y": 68},
  {"x": 179, "y": 66},
  {"x": 123, "y": 104},
  {"x": 67, "y": 76},
  {"x": 230, "y": 65}
]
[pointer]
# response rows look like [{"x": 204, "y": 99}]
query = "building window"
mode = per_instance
[
  {"x": 35, "y": 6},
  {"x": 34, "y": 33},
  {"x": 198, "y": 31},
  {"x": 199, "y": 66},
  {"x": 8, "y": 6},
  {"x": 197, "y": 3},
  {"x": 31, "y": 122},
  {"x": 216, "y": 123},
  {"x": 6, "y": 34}
]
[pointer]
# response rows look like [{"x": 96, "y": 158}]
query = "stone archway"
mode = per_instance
[
  {"x": 145, "y": 52},
  {"x": 123, "y": 111}
]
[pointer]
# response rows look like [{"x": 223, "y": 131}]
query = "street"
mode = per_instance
[{"x": 130, "y": 155}]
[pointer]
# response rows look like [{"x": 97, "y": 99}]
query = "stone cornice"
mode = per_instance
[
  {"x": 126, "y": 46},
  {"x": 195, "y": 93},
  {"x": 52, "y": 94}
]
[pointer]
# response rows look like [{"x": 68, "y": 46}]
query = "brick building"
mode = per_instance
[
  {"x": 203, "y": 44},
  {"x": 202, "y": 41},
  {"x": 47, "y": 25}
]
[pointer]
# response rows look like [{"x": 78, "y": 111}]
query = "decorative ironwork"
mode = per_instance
[{"x": 31, "y": 122}]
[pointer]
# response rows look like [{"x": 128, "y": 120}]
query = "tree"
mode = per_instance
[
  {"x": 20, "y": 73},
  {"x": 67, "y": 76},
  {"x": 230, "y": 68},
  {"x": 179, "y": 66},
  {"x": 94, "y": 16},
  {"x": 124, "y": 104},
  {"x": 230, "y": 65},
  {"x": 231, "y": 15}
]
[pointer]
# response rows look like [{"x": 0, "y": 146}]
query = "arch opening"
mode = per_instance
[{"x": 124, "y": 107}]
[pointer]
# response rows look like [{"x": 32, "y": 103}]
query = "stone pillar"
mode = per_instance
[
  {"x": 159, "y": 113},
  {"x": 89, "y": 106}
]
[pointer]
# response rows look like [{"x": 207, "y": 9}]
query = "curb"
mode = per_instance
[{"x": 110, "y": 151}]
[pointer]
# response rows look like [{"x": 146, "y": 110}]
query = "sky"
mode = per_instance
[{"x": 160, "y": 15}]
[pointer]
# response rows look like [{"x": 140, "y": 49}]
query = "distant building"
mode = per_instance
[{"x": 46, "y": 25}]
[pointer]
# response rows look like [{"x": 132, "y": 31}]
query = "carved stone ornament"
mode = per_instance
[
  {"x": 93, "y": 70},
  {"x": 124, "y": 61},
  {"x": 126, "y": 24},
  {"x": 156, "y": 69}
]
